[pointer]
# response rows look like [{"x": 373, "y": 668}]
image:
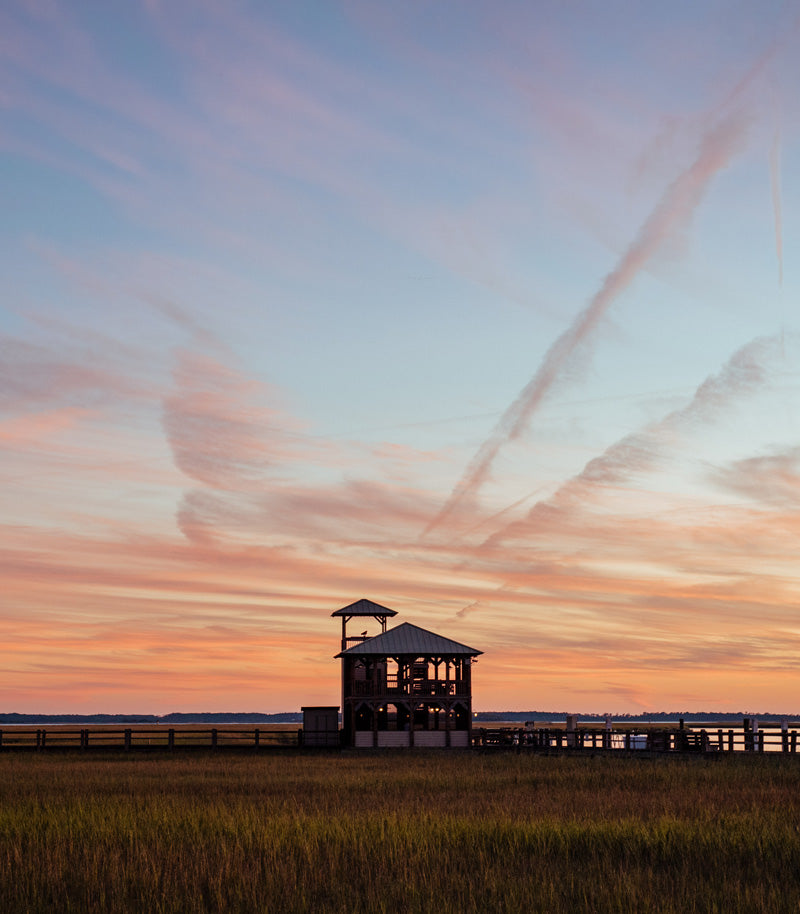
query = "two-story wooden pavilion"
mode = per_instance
[{"x": 403, "y": 687}]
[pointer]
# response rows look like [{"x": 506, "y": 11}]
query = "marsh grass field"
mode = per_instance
[{"x": 396, "y": 832}]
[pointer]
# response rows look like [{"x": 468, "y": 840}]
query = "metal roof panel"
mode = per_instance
[
  {"x": 364, "y": 608},
  {"x": 409, "y": 640}
]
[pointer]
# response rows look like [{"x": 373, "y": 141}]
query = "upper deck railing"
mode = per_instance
[{"x": 392, "y": 686}]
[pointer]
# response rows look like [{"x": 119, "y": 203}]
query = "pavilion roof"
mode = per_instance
[
  {"x": 364, "y": 608},
  {"x": 409, "y": 640}
]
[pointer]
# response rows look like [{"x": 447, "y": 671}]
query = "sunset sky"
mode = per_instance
[{"x": 487, "y": 312}]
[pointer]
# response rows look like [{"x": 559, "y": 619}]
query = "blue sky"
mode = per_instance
[{"x": 485, "y": 312}]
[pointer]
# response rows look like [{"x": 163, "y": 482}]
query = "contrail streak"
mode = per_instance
[
  {"x": 674, "y": 209},
  {"x": 775, "y": 180},
  {"x": 744, "y": 373}
]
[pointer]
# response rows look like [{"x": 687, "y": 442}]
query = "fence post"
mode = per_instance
[
  {"x": 794, "y": 740},
  {"x": 127, "y": 740},
  {"x": 785, "y": 734},
  {"x": 628, "y": 741},
  {"x": 257, "y": 736},
  {"x": 703, "y": 741},
  {"x": 214, "y": 738},
  {"x": 760, "y": 740},
  {"x": 171, "y": 738},
  {"x": 1, "y": 739},
  {"x": 730, "y": 740},
  {"x": 572, "y": 726}
]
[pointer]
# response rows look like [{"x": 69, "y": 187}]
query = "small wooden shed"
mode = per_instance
[{"x": 320, "y": 726}]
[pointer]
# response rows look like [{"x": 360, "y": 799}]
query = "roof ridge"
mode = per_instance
[{"x": 408, "y": 638}]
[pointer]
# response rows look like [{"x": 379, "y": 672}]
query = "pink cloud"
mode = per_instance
[
  {"x": 219, "y": 433},
  {"x": 772, "y": 479}
]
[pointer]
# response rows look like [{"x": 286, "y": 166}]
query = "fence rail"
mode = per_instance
[
  {"x": 131, "y": 738},
  {"x": 719, "y": 740},
  {"x": 533, "y": 739}
]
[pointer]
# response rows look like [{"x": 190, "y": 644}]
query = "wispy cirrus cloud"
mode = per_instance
[
  {"x": 770, "y": 479},
  {"x": 220, "y": 434},
  {"x": 673, "y": 210},
  {"x": 745, "y": 373},
  {"x": 35, "y": 376}
]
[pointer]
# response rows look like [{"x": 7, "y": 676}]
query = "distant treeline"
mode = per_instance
[
  {"x": 295, "y": 717},
  {"x": 633, "y": 718},
  {"x": 204, "y": 717}
]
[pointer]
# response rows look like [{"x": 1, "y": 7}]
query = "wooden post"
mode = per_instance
[
  {"x": 85, "y": 738},
  {"x": 257, "y": 737},
  {"x": 171, "y": 738},
  {"x": 703, "y": 741},
  {"x": 760, "y": 740},
  {"x": 720, "y": 744},
  {"x": 1, "y": 739},
  {"x": 572, "y": 726},
  {"x": 748, "y": 734},
  {"x": 627, "y": 741},
  {"x": 128, "y": 740},
  {"x": 794, "y": 741},
  {"x": 214, "y": 738},
  {"x": 730, "y": 740},
  {"x": 785, "y": 734}
]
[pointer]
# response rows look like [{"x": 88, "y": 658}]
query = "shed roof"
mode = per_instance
[
  {"x": 364, "y": 608},
  {"x": 410, "y": 640}
]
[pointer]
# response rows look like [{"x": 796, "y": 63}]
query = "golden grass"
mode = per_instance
[{"x": 417, "y": 832}]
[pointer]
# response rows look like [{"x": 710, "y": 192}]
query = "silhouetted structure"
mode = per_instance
[
  {"x": 403, "y": 687},
  {"x": 320, "y": 726}
]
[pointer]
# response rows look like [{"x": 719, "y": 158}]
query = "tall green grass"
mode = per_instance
[{"x": 431, "y": 832}]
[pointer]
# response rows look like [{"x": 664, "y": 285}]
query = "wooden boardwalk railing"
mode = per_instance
[
  {"x": 134, "y": 738},
  {"x": 547, "y": 739},
  {"x": 769, "y": 740}
]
